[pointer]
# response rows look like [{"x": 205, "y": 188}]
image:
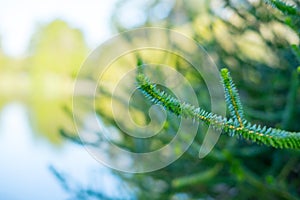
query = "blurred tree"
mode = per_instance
[
  {"x": 258, "y": 41},
  {"x": 56, "y": 54},
  {"x": 249, "y": 37},
  {"x": 255, "y": 42},
  {"x": 57, "y": 48},
  {"x": 14, "y": 83}
]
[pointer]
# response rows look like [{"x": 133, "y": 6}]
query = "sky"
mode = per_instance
[{"x": 19, "y": 19}]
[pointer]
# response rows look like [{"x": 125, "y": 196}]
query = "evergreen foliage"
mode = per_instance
[
  {"x": 236, "y": 125},
  {"x": 260, "y": 38},
  {"x": 283, "y": 7}
]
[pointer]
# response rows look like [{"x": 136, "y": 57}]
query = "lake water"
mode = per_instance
[{"x": 26, "y": 159}]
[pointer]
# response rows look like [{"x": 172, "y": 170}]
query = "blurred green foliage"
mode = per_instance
[
  {"x": 43, "y": 78},
  {"x": 258, "y": 41}
]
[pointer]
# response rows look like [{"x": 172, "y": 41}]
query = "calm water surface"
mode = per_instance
[{"x": 25, "y": 159}]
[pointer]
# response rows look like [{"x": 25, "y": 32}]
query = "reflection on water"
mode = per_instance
[
  {"x": 30, "y": 141},
  {"x": 25, "y": 160}
]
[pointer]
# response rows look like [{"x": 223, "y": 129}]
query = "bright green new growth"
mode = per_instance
[
  {"x": 232, "y": 98},
  {"x": 236, "y": 125}
]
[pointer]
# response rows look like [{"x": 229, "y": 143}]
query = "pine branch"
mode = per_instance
[
  {"x": 283, "y": 7},
  {"x": 201, "y": 177},
  {"x": 288, "y": 117},
  {"x": 232, "y": 98},
  {"x": 296, "y": 51},
  {"x": 268, "y": 136}
]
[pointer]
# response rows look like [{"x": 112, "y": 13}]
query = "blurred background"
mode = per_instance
[{"x": 43, "y": 45}]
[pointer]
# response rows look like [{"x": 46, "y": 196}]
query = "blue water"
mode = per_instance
[{"x": 25, "y": 159}]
